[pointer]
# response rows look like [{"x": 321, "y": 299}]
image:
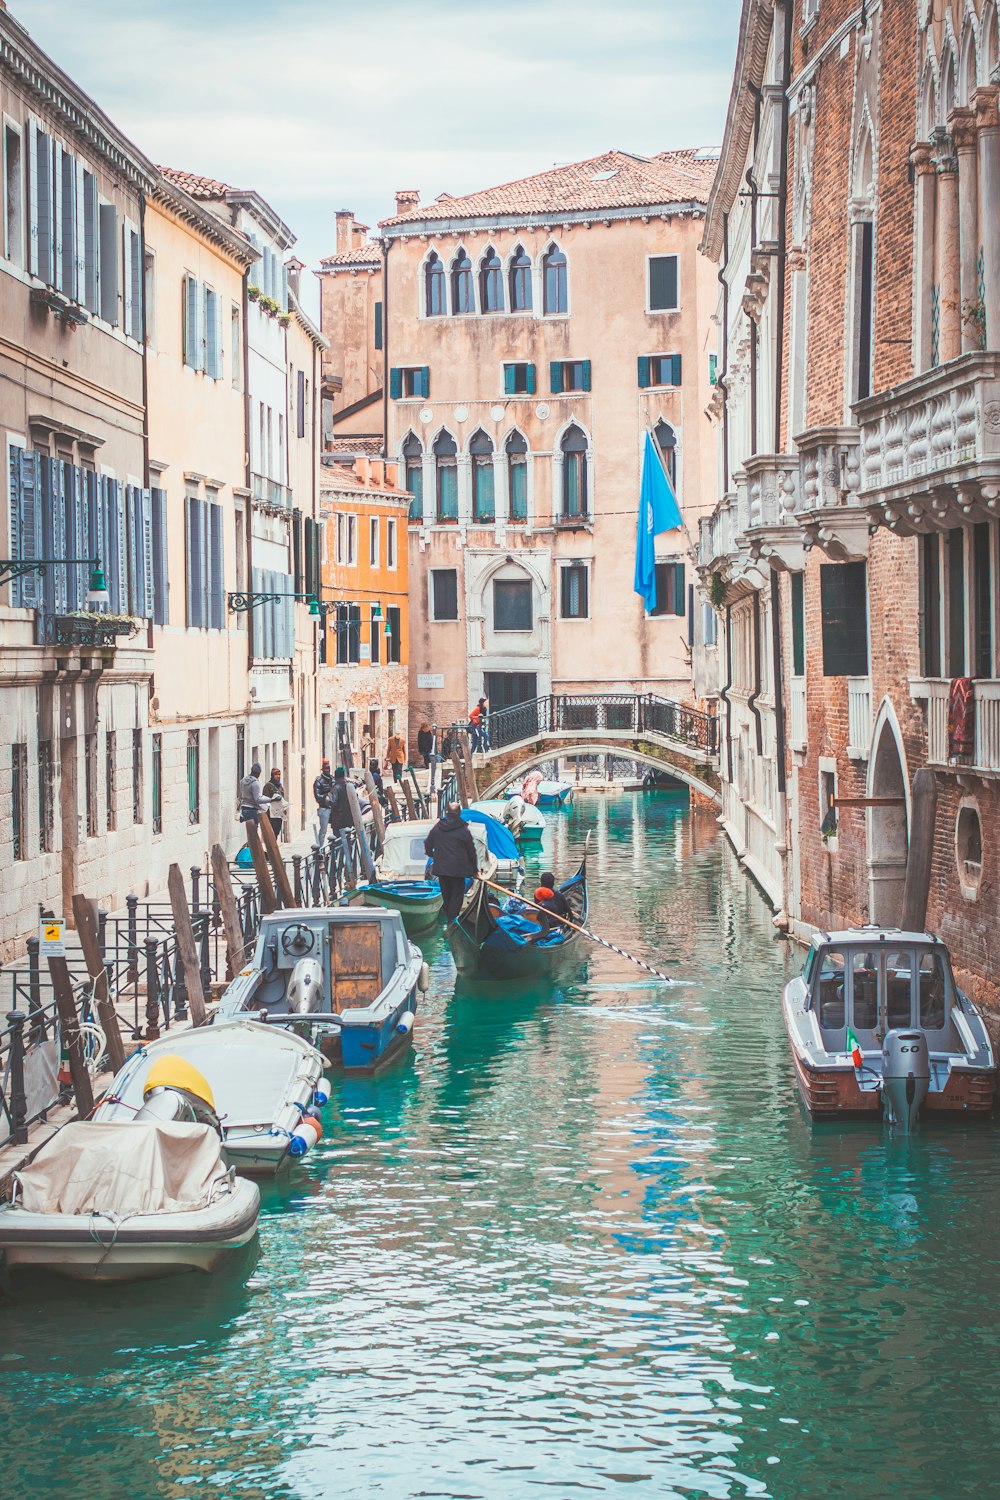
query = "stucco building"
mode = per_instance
[
  {"x": 351, "y": 311},
  {"x": 853, "y": 551}
]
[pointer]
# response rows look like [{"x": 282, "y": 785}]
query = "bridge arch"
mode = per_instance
[{"x": 621, "y": 749}]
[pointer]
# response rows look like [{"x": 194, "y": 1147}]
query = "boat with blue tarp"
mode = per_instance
[
  {"x": 402, "y": 882},
  {"x": 347, "y": 978},
  {"x": 498, "y": 938}
]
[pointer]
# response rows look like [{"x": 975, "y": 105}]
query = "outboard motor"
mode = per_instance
[
  {"x": 906, "y": 1077},
  {"x": 305, "y": 988}
]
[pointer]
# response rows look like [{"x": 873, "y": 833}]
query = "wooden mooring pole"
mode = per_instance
[
  {"x": 270, "y": 841},
  {"x": 228, "y": 909},
  {"x": 69, "y": 1033},
  {"x": 86, "y": 928},
  {"x": 187, "y": 948}
]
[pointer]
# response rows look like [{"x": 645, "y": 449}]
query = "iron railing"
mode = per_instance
[{"x": 629, "y": 713}]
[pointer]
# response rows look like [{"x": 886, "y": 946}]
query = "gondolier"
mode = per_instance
[{"x": 450, "y": 847}]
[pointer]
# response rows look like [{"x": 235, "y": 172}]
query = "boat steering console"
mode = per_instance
[{"x": 297, "y": 940}]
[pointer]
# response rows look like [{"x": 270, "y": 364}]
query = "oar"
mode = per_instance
[{"x": 641, "y": 963}]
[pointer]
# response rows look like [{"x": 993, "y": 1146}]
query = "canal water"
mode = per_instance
[{"x": 583, "y": 1238}]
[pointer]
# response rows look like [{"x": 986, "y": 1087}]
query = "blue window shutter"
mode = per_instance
[
  {"x": 425, "y": 381},
  {"x": 530, "y": 380},
  {"x": 586, "y": 374},
  {"x": 643, "y": 372},
  {"x": 679, "y": 589},
  {"x": 256, "y": 615},
  {"x": 33, "y": 197},
  {"x": 77, "y": 544},
  {"x": 508, "y": 380},
  {"x": 161, "y": 597},
  {"x": 556, "y": 376},
  {"x": 216, "y": 612},
  {"x": 378, "y": 325},
  {"x": 675, "y": 373},
  {"x": 26, "y": 525},
  {"x": 690, "y": 614},
  {"x": 46, "y": 208},
  {"x": 189, "y": 564},
  {"x": 132, "y": 529},
  {"x": 109, "y": 262},
  {"x": 46, "y": 509},
  {"x": 119, "y": 547},
  {"x": 395, "y": 383}
]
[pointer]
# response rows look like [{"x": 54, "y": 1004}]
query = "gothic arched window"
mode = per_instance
[
  {"x": 462, "y": 296},
  {"x": 483, "y": 497},
  {"x": 574, "y": 485},
  {"x": 490, "y": 282},
  {"x": 435, "y": 299},
  {"x": 555, "y": 297},
  {"x": 516, "y": 450},
  {"x": 446, "y": 476},
  {"x": 413, "y": 467},
  {"x": 520, "y": 281}
]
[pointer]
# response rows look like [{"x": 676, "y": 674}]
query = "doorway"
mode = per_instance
[
  {"x": 507, "y": 689},
  {"x": 888, "y": 833}
]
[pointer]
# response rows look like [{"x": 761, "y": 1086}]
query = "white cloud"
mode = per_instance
[{"x": 334, "y": 105}]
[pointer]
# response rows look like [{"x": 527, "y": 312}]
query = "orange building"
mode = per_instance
[{"x": 364, "y": 665}]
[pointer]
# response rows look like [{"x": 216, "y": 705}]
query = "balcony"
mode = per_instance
[
  {"x": 830, "y": 512},
  {"x": 772, "y": 532},
  {"x": 930, "y": 448},
  {"x": 269, "y": 494},
  {"x": 933, "y": 692},
  {"x": 859, "y": 717}
]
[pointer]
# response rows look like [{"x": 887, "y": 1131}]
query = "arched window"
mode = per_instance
[
  {"x": 517, "y": 477},
  {"x": 446, "y": 475},
  {"x": 666, "y": 441},
  {"x": 462, "y": 299},
  {"x": 574, "y": 485},
  {"x": 490, "y": 282},
  {"x": 436, "y": 302},
  {"x": 483, "y": 498},
  {"x": 520, "y": 281},
  {"x": 413, "y": 454},
  {"x": 554, "y": 299}
]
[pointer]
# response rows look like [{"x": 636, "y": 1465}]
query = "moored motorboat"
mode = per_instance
[
  {"x": 497, "y": 938},
  {"x": 508, "y": 866},
  {"x": 526, "y": 823},
  {"x": 542, "y": 793},
  {"x": 401, "y": 879},
  {"x": 347, "y": 978},
  {"x": 877, "y": 1024},
  {"x": 263, "y": 1081},
  {"x": 126, "y": 1200}
]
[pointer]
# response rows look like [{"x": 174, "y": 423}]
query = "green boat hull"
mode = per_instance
[{"x": 418, "y": 912}]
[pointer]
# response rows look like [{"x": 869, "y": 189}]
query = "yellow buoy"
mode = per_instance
[{"x": 173, "y": 1072}]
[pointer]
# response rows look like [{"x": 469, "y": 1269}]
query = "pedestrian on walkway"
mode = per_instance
[
  {"x": 341, "y": 816},
  {"x": 252, "y": 799},
  {"x": 277, "y": 809},
  {"x": 323, "y": 792},
  {"x": 367, "y": 746},
  {"x": 425, "y": 743},
  {"x": 451, "y": 849},
  {"x": 396, "y": 755},
  {"x": 475, "y": 728},
  {"x": 484, "y": 723}
]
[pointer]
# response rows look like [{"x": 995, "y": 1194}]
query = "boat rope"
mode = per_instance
[{"x": 554, "y": 916}]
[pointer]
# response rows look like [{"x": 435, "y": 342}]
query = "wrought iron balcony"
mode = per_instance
[
  {"x": 930, "y": 448},
  {"x": 83, "y": 629}
]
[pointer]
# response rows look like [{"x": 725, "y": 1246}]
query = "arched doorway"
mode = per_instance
[{"x": 888, "y": 832}]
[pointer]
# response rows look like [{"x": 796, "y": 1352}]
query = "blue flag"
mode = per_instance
[{"x": 658, "y": 511}]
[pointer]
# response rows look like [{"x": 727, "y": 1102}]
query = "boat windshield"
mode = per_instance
[
  {"x": 932, "y": 990},
  {"x": 830, "y": 989},
  {"x": 898, "y": 984},
  {"x": 864, "y": 990}
]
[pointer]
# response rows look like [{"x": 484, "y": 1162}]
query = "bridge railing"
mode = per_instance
[{"x": 576, "y": 713}]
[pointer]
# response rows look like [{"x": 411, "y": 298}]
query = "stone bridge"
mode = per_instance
[{"x": 654, "y": 731}]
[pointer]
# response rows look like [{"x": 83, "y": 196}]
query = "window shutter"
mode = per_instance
[
  {"x": 425, "y": 381},
  {"x": 127, "y": 285},
  {"x": 216, "y": 573},
  {"x": 33, "y": 197},
  {"x": 91, "y": 242},
  {"x": 509, "y": 373},
  {"x": 189, "y": 504},
  {"x": 556, "y": 377},
  {"x": 161, "y": 598},
  {"x": 643, "y": 372},
  {"x": 530, "y": 380},
  {"x": 118, "y": 584},
  {"x": 132, "y": 528},
  {"x": 45, "y": 205},
  {"x": 80, "y": 269},
  {"x": 300, "y": 403},
  {"x": 77, "y": 544},
  {"x": 146, "y": 550},
  {"x": 395, "y": 383},
  {"x": 211, "y": 335},
  {"x": 675, "y": 370},
  {"x": 257, "y": 615},
  {"x": 844, "y": 613},
  {"x": 378, "y": 325},
  {"x": 678, "y": 570},
  {"x": 46, "y": 507},
  {"x": 58, "y": 268},
  {"x": 585, "y": 367},
  {"x": 297, "y": 551},
  {"x": 187, "y": 323},
  {"x": 690, "y": 614},
  {"x": 284, "y": 288},
  {"x": 108, "y": 216}
]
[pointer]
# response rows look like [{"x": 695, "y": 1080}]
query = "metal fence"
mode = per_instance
[{"x": 628, "y": 713}]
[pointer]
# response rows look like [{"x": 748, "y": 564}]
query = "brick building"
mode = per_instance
[{"x": 853, "y": 551}]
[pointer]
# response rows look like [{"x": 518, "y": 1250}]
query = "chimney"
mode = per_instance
[
  {"x": 377, "y": 472},
  {"x": 391, "y": 475},
  {"x": 407, "y": 198},
  {"x": 361, "y": 468},
  {"x": 345, "y": 229},
  {"x": 360, "y": 236},
  {"x": 294, "y": 267}
]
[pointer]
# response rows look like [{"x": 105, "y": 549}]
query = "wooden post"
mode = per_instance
[
  {"x": 920, "y": 855},
  {"x": 69, "y": 1032},
  {"x": 377, "y": 817},
  {"x": 411, "y": 806},
  {"x": 268, "y": 900},
  {"x": 390, "y": 792},
  {"x": 470, "y": 770},
  {"x": 456, "y": 760},
  {"x": 86, "y": 928},
  {"x": 347, "y": 856},
  {"x": 187, "y": 948},
  {"x": 273, "y": 848},
  {"x": 228, "y": 909},
  {"x": 418, "y": 794},
  {"x": 364, "y": 853}
]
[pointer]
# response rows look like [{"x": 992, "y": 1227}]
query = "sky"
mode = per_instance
[{"x": 322, "y": 104}]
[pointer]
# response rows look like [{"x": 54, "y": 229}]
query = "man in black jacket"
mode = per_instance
[
  {"x": 341, "y": 817},
  {"x": 323, "y": 792},
  {"x": 450, "y": 845}
]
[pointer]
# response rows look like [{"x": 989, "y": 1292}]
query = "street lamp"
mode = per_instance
[{"x": 240, "y": 602}]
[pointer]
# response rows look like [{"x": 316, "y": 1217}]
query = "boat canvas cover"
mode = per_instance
[{"x": 117, "y": 1169}]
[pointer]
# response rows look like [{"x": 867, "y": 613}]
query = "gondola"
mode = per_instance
[{"x": 493, "y": 937}]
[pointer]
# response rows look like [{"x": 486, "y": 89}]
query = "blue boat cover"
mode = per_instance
[{"x": 499, "y": 839}]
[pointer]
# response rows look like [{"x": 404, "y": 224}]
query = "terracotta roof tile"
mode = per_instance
[
  {"x": 372, "y": 446},
  {"x": 368, "y": 254},
  {"x": 617, "y": 179},
  {"x": 198, "y": 187}
]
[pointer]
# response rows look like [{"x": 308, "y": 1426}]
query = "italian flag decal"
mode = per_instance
[{"x": 854, "y": 1048}]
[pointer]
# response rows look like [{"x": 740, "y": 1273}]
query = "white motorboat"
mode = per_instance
[
  {"x": 525, "y": 822},
  {"x": 126, "y": 1200},
  {"x": 264, "y": 1082}
]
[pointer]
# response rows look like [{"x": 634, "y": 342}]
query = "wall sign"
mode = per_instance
[{"x": 430, "y": 679}]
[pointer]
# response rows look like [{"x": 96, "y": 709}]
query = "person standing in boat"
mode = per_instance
[
  {"x": 452, "y": 852},
  {"x": 277, "y": 805},
  {"x": 252, "y": 799}
]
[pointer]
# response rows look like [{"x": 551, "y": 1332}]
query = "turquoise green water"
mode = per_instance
[{"x": 583, "y": 1238}]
